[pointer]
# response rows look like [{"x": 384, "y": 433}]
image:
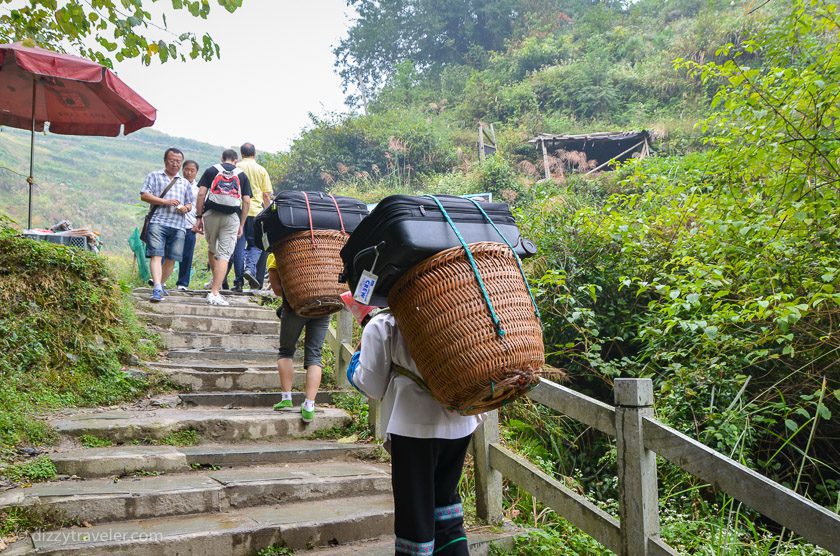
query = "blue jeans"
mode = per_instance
[
  {"x": 237, "y": 262},
  {"x": 246, "y": 255},
  {"x": 164, "y": 241},
  {"x": 185, "y": 266}
]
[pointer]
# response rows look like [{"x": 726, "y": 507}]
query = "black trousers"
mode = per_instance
[{"x": 428, "y": 517}]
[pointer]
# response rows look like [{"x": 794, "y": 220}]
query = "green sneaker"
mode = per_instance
[
  {"x": 282, "y": 404},
  {"x": 307, "y": 414}
]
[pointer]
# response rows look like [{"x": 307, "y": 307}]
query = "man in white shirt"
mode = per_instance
[
  {"x": 427, "y": 442},
  {"x": 189, "y": 170}
]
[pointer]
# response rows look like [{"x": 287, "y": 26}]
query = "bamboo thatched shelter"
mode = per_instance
[{"x": 604, "y": 148}]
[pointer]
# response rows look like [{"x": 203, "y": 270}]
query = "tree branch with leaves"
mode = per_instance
[{"x": 109, "y": 30}]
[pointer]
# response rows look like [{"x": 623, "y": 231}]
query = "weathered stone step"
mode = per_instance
[
  {"x": 197, "y": 299},
  {"x": 481, "y": 541},
  {"x": 199, "y": 340},
  {"x": 219, "y": 325},
  {"x": 248, "y": 399},
  {"x": 211, "y": 425},
  {"x": 254, "y": 380},
  {"x": 213, "y": 366},
  {"x": 174, "y": 294},
  {"x": 206, "y": 491},
  {"x": 206, "y": 310},
  {"x": 227, "y": 355},
  {"x": 240, "y": 532},
  {"x": 122, "y": 460}
]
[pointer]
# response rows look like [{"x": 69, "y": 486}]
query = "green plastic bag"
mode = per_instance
[{"x": 139, "y": 249}]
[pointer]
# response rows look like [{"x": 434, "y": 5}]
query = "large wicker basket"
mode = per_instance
[
  {"x": 446, "y": 324},
  {"x": 309, "y": 265}
]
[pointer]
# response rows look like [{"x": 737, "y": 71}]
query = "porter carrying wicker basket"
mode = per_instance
[
  {"x": 475, "y": 351},
  {"x": 309, "y": 265}
]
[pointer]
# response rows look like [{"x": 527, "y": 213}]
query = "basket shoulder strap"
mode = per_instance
[
  {"x": 515, "y": 256},
  {"x": 309, "y": 213},
  {"x": 402, "y": 371},
  {"x": 338, "y": 210},
  {"x": 497, "y": 323}
]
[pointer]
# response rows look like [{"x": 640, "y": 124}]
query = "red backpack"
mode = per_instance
[{"x": 226, "y": 189}]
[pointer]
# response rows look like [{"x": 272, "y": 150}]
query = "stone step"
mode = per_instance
[
  {"x": 218, "y": 325},
  {"x": 213, "y": 366},
  {"x": 122, "y": 460},
  {"x": 254, "y": 380},
  {"x": 482, "y": 540},
  {"x": 174, "y": 294},
  {"x": 239, "y": 532},
  {"x": 179, "y": 299},
  {"x": 211, "y": 424},
  {"x": 200, "y": 340},
  {"x": 227, "y": 355},
  {"x": 200, "y": 492},
  {"x": 248, "y": 399},
  {"x": 206, "y": 310}
]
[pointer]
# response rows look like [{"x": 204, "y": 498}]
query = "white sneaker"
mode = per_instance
[
  {"x": 216, "y": 299},
  {"x": 182, "y": 288}
]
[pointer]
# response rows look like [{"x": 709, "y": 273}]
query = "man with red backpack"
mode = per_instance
[{"x": 224, "y": 197}]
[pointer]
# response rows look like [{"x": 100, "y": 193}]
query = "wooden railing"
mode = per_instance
[{"x": 639, "y": 439}]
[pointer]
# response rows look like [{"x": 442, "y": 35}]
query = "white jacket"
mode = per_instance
[{"x": 408, "y": 409}]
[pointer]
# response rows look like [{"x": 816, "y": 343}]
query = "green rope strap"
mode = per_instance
[
  {"x": 497, "y": 323},
  {"x": 515, "y": 256}
]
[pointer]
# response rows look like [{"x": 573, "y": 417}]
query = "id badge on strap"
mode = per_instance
[{"x": 367, "y": 282}]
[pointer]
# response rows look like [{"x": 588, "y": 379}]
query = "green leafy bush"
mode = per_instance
[{"x": 67, "y": 330}]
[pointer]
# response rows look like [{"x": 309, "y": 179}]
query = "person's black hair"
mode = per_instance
[
  {"x": 229, "y": 155},
  {"x": 172, "y": 150},
  {"x": 193, "y": 162},
  {"x": 248, "y": 149}
]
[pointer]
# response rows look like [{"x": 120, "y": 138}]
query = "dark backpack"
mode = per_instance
[{"x": 226, "y": 189}]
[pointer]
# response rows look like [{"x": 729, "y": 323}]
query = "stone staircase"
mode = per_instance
[{"x": 255, "y": 479}]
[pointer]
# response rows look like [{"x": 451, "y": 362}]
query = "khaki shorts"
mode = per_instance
[{"x": 220, "y": 231}]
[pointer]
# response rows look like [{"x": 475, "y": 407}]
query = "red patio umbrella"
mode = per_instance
[{"x": 76, "y": 96}]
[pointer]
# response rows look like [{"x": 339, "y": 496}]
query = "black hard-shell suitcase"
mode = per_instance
[
  {"x": 288, "y": 214},
  {"x": 403, "y": 230}
]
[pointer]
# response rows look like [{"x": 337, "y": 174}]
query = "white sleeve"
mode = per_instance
[{"x": 374, "y": 372}]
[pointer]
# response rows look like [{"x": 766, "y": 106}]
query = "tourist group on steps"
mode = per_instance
[{"x": 426, "y": 441}]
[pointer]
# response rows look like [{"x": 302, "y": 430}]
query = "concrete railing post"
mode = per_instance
[
  {"x": 638, "y": 495},
  {"x": 343, "y": 335},
  {"x": 375, "y": 423},
  {"x": 488, "y": 481}
]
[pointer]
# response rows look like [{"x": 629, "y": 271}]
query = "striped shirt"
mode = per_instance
[
  {"x": 155, "y": 183},
  {"x": 189, "y": 218}
]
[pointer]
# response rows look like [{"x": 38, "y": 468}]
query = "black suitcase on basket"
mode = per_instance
[
  {"x": 409, "y": 229},
  {"x": 288, "y": 214}
]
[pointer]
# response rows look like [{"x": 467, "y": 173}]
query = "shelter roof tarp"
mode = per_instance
[{"x": 600, "y": 146}]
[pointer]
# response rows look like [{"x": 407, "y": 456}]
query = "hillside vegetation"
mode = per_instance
[
  {"x": 91, "y": 181},
  {"x": 563, "y": 67},
  {"x": 68, "y": 334}
]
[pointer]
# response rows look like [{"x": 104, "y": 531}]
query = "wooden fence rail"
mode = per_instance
[{"x": 639, "y": 439}]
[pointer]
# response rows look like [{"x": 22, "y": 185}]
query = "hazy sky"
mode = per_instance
[{"x": 276, "y": 66}]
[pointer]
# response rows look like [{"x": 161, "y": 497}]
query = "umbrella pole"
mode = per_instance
[{"x": 30, "y": 180}]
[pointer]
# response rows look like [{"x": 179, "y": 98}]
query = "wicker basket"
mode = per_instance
[
  {"x": 443, "y": 317},
  {"x": 309, "y": 265}
]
